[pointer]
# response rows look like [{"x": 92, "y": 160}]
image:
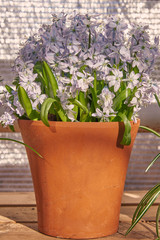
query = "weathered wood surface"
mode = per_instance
[{"x": 18, "y": 218}]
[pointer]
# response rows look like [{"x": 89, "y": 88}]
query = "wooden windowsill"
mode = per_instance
[{"x": 18, "y": 218}]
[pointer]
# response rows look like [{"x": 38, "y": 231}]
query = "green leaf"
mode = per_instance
[
  {"x": 10, "y": 139},
  {"x": 82, "y": 100},
  {"x": 34, "y": 115},
  {"x": 127, "y": 132},
  {"x": 94, "y": 94},
  {"x": 9, "y": 89},
  {"x": 94, "y": 97},
  {"x": 45, "y": 108},
  {"x": 51, "y": 78},
  {"x": 153, "y": 161},
  {"x": 60, "y": 111},
  {"x": 150, "y": 130},
  {"x": 25, "y": 101},
  {"x": 136, "y": 69},
  {"x": 82, "y": 68},
  {"x": 46, "y": 105},
  {"x": 144, "y": 205},
  {"x": 79, "y": 104},
  {"x": 117, "y": 102},
  {"x": 75, "y": 109},
  {"x": 144, "y": 200},
  {"x": 12, "y": 128},
  {"x": 157, "y": 99},
  {"x": 38, "y": 68},
  {"x": 157, "y": 221},
  {"x": 142, "y": 213}
]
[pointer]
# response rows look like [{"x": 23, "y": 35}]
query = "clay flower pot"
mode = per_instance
[{"x": 79, "y": 181}]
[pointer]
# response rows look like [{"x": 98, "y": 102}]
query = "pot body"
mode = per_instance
[{"x": 79, "y": 181}]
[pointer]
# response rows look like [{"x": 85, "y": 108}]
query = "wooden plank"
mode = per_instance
[
  {"x": 150, "y": 215},
  {"x": 5, "y": 220},
  {"x": 28, "y": 198},
  {"x": 16, "y": 231},
  {"x": 29, "y": 214},
  {"x": 142, "y": 230},
  {"x": 19, "y": 214},
  {"x": 134, "y": 197},
  {"x": 17, "y": 198},
  {"x": 26, "y": 228}
]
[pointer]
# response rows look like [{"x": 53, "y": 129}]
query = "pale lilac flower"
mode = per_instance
[
  {"x": 132, "y": 80},
  {"x": 115, "y": 79},
  {"x": 106, "y": 100},
  {"x": 38, "y": 99},
  {"x": 69, "y": 111},
  {"x": 99, "y": 114},
  {"x": 80, "y": 49},
  {"x": 141, "y": 66},
  {"x": 7, "y": 118},
  {"x": 27, "y": 79},
  {"x": 84, "y": 81}
]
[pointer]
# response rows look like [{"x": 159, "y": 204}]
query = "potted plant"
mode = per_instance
[
  {"x": 80, "y": 84},
  {"x": 150, "y": 197}
]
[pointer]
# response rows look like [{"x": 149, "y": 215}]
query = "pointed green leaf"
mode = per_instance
[
  {"x": 9, "y": 89},
  {"x": 82, "y": 100},
  {"x": 120, "y": 98},
  {"x": 25, "y": 101},
  {"x": 79, "y": 104},
  {"x": 34, "y": 115},
  {"x": 75, "y": 109},
  {"x": 144, "y": 200},
  {"x": 144, "y": 205},
  {"x": 60, "y": 111},
  {"x": 157, "y": 221},
  {"x": 51, "y": 78},
  {"x": 153, "y": 161},
  {"x": 45, "y": 108},
  {"x": 12, "y": 128},
  {"x": 94, "y": 97},
  {"x": 38, "y": 68},
  {"x": 82, "y": 68},
  {"x": 150, "y": 130},
  {"x": 157, "y": 99},
  {"x": 46, "y": 105},
  {"x": 142, "y": 213},
  {"x": 127, "y": 132},
  {"x": 10, "y": 139}
]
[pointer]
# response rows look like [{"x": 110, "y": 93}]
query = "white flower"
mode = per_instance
[
  {"x": 27, "y": 78},
  {"x": 125, "y": 53},
  {"x": 106, "y": 100},
  {"x": 99, "y": 114},
  {"x": 133, "y": 80},
  {"x": 115, "y": 79},
  {"x": 69, "y": 111},
  {"x": 88, "y": 54},
  {"x": 84, "y": 80},
  {"x": 39, "y": 99},
  {"x": 7, "y": 118}
]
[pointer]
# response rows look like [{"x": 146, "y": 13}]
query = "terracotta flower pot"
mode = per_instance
[{"x": 79, "y": 183}]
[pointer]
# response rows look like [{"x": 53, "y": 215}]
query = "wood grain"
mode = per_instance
[
  {"x": 27, "y": 198},
  {"x": 18, "y": 218}
]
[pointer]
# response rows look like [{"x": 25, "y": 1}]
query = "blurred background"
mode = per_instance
[{"x": 18, "y": 20}]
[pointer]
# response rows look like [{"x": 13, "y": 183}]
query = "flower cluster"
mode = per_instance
[{"x": 82, "y": 68}]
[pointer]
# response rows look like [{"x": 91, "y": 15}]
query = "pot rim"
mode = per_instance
[{"x": 78, "y": 124}]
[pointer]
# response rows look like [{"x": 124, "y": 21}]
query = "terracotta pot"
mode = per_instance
[{"x": 79, "y": 183}]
